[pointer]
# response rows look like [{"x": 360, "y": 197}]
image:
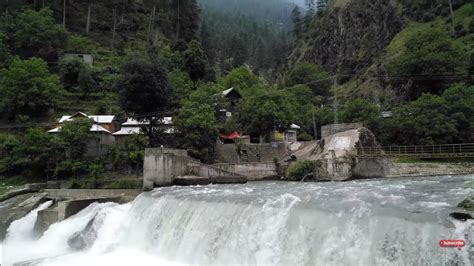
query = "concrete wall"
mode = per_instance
[
  {"x": 205, "y": 170},
  {"x": 161, "y": 166},
  {"x": 266, "y": 152},
  {"x": 336, "y": 128},
  {"x": 253, "y": 171},
  {"x": 78, "y": 194}
]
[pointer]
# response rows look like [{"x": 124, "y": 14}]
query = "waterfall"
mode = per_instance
[{"x": 383, "y": 222}]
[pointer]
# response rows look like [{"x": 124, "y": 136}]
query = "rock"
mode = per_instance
[
  {"x": 338, "y": 156},
  {"x": 349, "y": 36},
  {"x": 85, "y": 238},
  {"x": 191, "y": 180},
  {"x": 17, "y": 207},
  {"x": 464, "y": 210}
]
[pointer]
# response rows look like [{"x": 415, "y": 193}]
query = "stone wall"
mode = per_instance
[{"x": 253, "y": 171}]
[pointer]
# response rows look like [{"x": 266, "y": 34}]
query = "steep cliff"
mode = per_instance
[{"x": 348, "y": 36}]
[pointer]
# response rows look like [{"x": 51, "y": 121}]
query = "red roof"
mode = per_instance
[{"x": 233, "y": 135}]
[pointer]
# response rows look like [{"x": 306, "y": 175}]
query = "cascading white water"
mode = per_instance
[{"x": 377, "y": 222}]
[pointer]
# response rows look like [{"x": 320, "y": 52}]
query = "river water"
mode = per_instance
[{"x": 370, "y": 222}]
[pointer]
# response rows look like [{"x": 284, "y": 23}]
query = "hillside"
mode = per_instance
[{"x": 358, "y": 41}]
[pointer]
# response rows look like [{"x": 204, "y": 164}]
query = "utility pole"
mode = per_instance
[
  {"x": 314, "y": 128},
  {"x": 88, "y": 24}
]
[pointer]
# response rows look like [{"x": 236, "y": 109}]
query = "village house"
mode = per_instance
[
  {"x": 102, "y": 128},
  {"x": 133, "y": 126}
]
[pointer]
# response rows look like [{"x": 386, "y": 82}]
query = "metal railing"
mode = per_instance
[{"x": 463, "y": 150}]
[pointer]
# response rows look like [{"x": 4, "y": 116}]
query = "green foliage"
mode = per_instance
[
  {"x": 74, "y": 136},
  {"x": 9, "y": 149},
  {"x": 196, "y": 122},
  {"x": 263, "y": 112},
  {"x": 360, "y": 110},
  {"x": 27, "y": 88},
  {"x": 77, "y": 76},
  {"x": 460, "y": 99},
  {"x": 143, "y": 86},
  {"x": 35, "y": 33},
  {"x": 182, "y": 86},
  {"x": 241, "y": 79},
  {"x": 298, "y": 28},
  {"x": 312, "y": 75},
  {"x": 5, "y": 56},
  {"x": 41, "y": 149},
  {"x": 432, "y": 54},
  {"x": 195, "y": 61},
  {"x": 300, "y": 169},
  {"x": 425, "y": 121},
  {"x": 135, "y": 148}
]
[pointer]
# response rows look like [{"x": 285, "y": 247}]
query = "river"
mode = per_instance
[{"x": 369, "y": 222}]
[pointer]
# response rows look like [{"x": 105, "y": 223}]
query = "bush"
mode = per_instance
[{"x": 299, "y": 170}]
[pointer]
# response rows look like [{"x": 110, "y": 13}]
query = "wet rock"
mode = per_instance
[
  {"x": 17, "y": 207},
  {"x": 84, "y": 239},
  {"x": 464, "y": 210}
]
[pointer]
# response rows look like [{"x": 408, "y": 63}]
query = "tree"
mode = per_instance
[
  {"x": 241, "y": 79},
  {"x": 77, "y": 76},
  {"x": 316, "y": 78},
  {"x": 298, "y": 25},
  {"x": 74, "y": 136},
  {"x": 144, "y": 89},
  {"x": 308, "y": 18},
  {"x": 185, "y": 19},
  {"x": 5, "y": 56},
  {"x": 196, "y": 123},
  {"x": 36, "y": 33},
  {"x": 41, "y": 150},
  {"x": 195, "y": 61},
  {"x": 27, "y": 88},
  {"x": 460, "y": 99},
  {"x": 182, "y": 86},
  {"x": 206, "y": 43},
  {"x": 424, "y": 121},
  {"x": 238, "y": 51},
  {"x": 360, "y": 110},
  {"x": 263, "y": 112},
  {"x": 430, "y": 61},
  {"x": 10, "y": 160},
  {"x": 135, "y": 147}
]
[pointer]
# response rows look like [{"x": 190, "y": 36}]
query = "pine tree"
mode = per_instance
[
  {"x": 206, "y": 44},
  {"x": 297, "y": 23},
  {"x": 308, "y": 18},
  {"x": 185, "y": 19}
]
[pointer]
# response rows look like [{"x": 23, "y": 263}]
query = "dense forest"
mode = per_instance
[{"x": 312, "y": 65}]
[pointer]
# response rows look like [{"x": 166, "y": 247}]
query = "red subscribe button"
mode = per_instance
[{"x": 452, "y": 243}]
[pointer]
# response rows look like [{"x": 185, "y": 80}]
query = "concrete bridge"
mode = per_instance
[{"x": 441, "y": 151}]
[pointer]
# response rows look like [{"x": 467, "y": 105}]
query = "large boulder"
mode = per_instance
[{"x": 338, "y": 154}]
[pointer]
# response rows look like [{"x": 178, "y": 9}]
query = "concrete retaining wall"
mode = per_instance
[
  {"x": 253, "y": 171},
  {"x": 161, "y": 166},
  {"x": 266, "y": 152},
  {"x": 336, "y": 128}
]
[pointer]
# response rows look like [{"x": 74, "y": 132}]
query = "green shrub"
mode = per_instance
[{"x": 300, "y": 169}]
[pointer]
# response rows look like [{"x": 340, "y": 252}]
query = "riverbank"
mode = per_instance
[{"x": 400, "y": 169}]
